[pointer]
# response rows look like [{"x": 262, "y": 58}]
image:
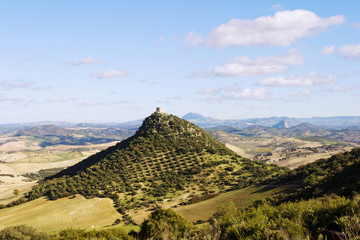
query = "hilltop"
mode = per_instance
[{"x": 167, "y": 157}]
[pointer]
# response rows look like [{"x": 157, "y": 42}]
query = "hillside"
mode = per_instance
[
  {"x": 338, "y": 174},
  {"x": 166, "y": 157}
]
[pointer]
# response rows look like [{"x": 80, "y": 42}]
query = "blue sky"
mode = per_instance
[{"x": 116, "y": 61}]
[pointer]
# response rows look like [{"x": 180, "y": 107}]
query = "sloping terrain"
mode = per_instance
[
  {"x": 338, "y": 174},
  {"x": 166, "y": 157}
]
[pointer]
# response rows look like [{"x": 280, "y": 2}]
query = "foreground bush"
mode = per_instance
[
  {"x": 22, "y": 232},
  {"x": 291, "y": 220}
]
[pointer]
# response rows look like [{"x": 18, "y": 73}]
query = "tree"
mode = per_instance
[
  {"x": 22, "y": 232},
  {"x": 165, "y": 224},
  {"x": 16, "y": 192}
]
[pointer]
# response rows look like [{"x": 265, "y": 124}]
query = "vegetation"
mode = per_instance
[
  {"x": 43, "y": 173},
  {"x": 166, "y": 224},
  {"x": 263, "y": 220},
  {"x": 72, "y": 212},
  {"x": 337, "y": 174},
  {"x": 22, "y": 232},
  {"x": 168, "y": 155},
  {"x": 289, "y": 220},
  {"x": 165, "y": 156}
]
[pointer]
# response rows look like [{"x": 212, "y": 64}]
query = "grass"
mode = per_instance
[
  {"x": 64, "y": 213},
  {"x": 46, "y": 158},
  {"x": 242, "y": 198}
]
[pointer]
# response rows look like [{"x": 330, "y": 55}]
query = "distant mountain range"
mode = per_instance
[
  {"x": 49, "y": 135},
  {"x": 335, "y": 123},
  {"x": 329, "y": 122},
  {"x": 303, "y": 130}
]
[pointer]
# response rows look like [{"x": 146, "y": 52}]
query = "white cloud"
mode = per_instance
[
  {"x": 278, "y": 7},
  {"x": 244, "y": 66},
  {"x": 6, "y": 85},
  {"x": 350, "y": 51},
  {"x": 302, "y": 93},
  {"x": 357, "y": 25},
  {"x": 312, "y": 79},
  {"x": 89, "y": 60},
  {"x": 160, "y": 39},
  {"x": 342, "y": 89},
  {"x": 328, "y": 49},
  {"x": 92, "y": 104},
  {"x": 199, "y": 74},
  {"x": 26, "y": 59},
  {"x": 236, "y": 92},
  {"x": 110, "y": 74},
  {"x": 5, "y": 99},
  {"x": 143, "y": 80},
  {"x": 180, "y": 97},
  {"x": 209, "y": 91},
  {"x": 282, "y": 29},
  {"x": 41, "y": 88},
  {"x": 252, "y": 94},
  {"x": 61, "y": 99}
]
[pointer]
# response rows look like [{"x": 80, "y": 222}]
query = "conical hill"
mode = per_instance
[{"x": 167, "y": 155}]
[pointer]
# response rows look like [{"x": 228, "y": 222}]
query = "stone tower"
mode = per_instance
[{"x": 159, "y": 110}]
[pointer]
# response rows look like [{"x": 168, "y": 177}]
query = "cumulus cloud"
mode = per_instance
[
  {"x": 342, "y": 89},
  {"x": 180, "y": 97},
  {"x": 357, "y": 25},
  {"x": 61, "y": 99},
  {"x": 6, "y": 85},
  {"x": 5, "y": 99},
  {"x": 199, "y": 74},
  {"x": 91, "y": 104},
  {"x": 312, "y": 79},
  {"x": 244, "y": 66},
  {"x": 42, "y": 88},
  {"x": 160, "y": 39},
  {"x": 252, "y": 94},
  {"x": 26, "y": 59},
  {"x": 328, "y": 49},
  {"x": 110, "y": 74},
  {"x": 209, "y": 91},
  {"x": 351, "y": 51},
  {"x": 87, "y": 60},
  {"x": 281, "y": 29},
  {"x": 302, "y": 93},
  {"x": 236, "y": 92},
  {"x": 278, "y": 7}
]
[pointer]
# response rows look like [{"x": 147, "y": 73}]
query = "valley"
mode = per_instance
[{"x": 168, "y": 164}]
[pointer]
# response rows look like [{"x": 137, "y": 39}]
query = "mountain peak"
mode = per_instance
[
  {"x": 179, "y": 133},
  {"x": 281, "y": 125},
  {"x": 193, "y": 116},
  {"x": 165, "y": 155}
]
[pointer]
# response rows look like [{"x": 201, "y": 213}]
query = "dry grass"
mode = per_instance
[
  {"x": 242, "y": 198},
  {"x": 64, "y": 213}
]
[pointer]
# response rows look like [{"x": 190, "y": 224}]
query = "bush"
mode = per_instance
[
  {"x": 165, "y": 224},
  {"x": 22, "y": 232}
]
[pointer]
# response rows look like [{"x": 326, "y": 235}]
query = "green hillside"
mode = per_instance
[
  {"x": 167, "y": 156},
  {"x": 338, "y": 174}
]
